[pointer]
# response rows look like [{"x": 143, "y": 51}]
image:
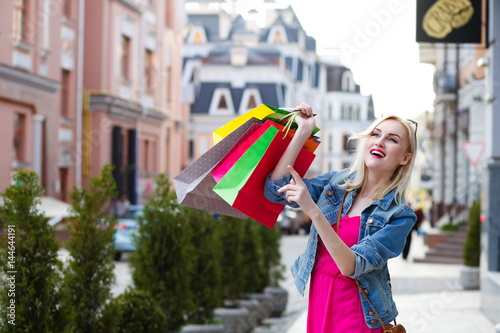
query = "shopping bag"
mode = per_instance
[
  {"x": 243, "y": 185},
  {"x": 280, "y": 116},
  {"x": 262, "y": 112},
  {"x": 259, "y": 112},
  {"x": 231, "y": 158},
  {"x": 194, "y": 184}
]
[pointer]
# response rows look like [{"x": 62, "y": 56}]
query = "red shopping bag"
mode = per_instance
[{"x": 242, "y": 186}]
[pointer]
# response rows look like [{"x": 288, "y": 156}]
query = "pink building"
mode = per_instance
[
  {"x": 68, "y": 106},
  {"x": 38, "y": 101},
  {"x": 133, "y": 117}
]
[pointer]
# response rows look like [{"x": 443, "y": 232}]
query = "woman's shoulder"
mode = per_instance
[
  {"x": 339, "y": 177},
  {"x": 401, "y": 209}
]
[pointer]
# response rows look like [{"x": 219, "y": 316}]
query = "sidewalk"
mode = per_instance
[{"x": 428, "y": 297}]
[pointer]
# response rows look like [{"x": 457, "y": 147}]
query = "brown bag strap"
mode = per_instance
[
  {"x": 340, "y": 211},
  {"x": 363, "y": 292}
]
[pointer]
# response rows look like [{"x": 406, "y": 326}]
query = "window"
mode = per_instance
[
  {"x": 146, "y": 155},
  {"x": 277, "y": 38},
  {"x": 355, "y": 112},
  {"x": 348, "y": 82},
  {"x": 148, "y": 69},
  {"x": 349, "y": 146},
  {"x": 251, "y": 103},
  {"x": 197, "y": 38},
  {"x": 125, "y": 57},
  {"x": 19, "y": 29},
  {"x": 343, "y": 111},
  {"x": 169, "y": 84},
  {"x": 222, "y": 103},
  {"x": 65, "y": 93},
  {"x": 67, "y": 8},
  {"x": 19, "y": 139},
  {"x": 191, "y": 149}
]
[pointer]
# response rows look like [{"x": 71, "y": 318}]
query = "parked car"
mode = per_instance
[
  {"x": 125, "y": 229},
  {"x": 294, "y": 221}
]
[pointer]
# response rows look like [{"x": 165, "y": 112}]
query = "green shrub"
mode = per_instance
[
  {"x": 36, "y": 283},
  {"x": 89, "y": 275},
  {"x": 133, "y": 312},
  {"x": 164, "y": 256},
  {"x": 255, "y": 272},
  {"x": 472, "y": 247},
  {"x": 206, "y": 279},
  {"x": 271, "y": 242},
  {"x": 231, "y": 233}
]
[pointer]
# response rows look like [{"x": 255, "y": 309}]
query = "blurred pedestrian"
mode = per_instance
[
  {"x": 416, "y": 227},
  {"x": 374, "y": 225},
  {"x": 120, "y": 206}
]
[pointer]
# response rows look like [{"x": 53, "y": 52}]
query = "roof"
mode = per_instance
[{"x": 268, "y": 93}]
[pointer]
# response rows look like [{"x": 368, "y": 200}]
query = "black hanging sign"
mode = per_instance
[{"x": 449, "y": 21}]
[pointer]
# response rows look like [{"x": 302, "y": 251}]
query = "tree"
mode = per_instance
[
  {"x": 256, "y": 274},
  {"x": 271, "y": 241},
  {"x": 89, "y": 276},
  {"x": 31, "y": 271},
  {"x": 133, "y": 312},
  {"x": 472, "y": 246},
  {"x": 206, "y": 278},
  {"x": 231, "y": 233},
  {"x": 164, "y": 256}
]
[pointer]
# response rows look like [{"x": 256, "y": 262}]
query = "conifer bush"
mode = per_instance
[
  {"x": 271, "y": 242},
  {"x": 255, "y": 277},
  {"x": 472, "y": 246},
  {"x": 30, "y": 273},
  {"x": 89, "y": 275},
  {"x": 164, "y": 256},
  {"x": 133, "y": 312},
  {"x": 206, "y": 278},
  {"x": 231, "y": 232}
]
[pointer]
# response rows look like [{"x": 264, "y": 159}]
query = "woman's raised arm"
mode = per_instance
[{"x": 306, "y": 124}]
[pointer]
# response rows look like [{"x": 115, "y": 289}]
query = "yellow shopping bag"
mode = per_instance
[{"x": 259, "y": 112}]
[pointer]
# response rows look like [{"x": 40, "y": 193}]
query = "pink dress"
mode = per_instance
[{"x": 334, "y": 301}]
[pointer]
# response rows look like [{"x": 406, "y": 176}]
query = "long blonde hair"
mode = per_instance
[{"x": 402, "y": 175}]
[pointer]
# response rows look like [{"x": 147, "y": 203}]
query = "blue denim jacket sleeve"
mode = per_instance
[
  {"x": 314, "y": 185},
  {"x": 373, "y": 251}
]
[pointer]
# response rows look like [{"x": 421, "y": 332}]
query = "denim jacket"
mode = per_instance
[{"x": 383, "y": 229}]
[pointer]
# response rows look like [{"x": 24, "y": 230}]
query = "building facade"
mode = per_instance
[
  {"x": 88, "y": 83},
  {"x": 133, "y": 117},
  {"x": 459, "y": 118},
  {"x": 38, "y": 100},
  {"x": 344, "y": 110},
  {"x": 231, "y": 66}
]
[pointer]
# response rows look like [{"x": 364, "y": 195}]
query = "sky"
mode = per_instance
[{"x": 376, "y": 40}]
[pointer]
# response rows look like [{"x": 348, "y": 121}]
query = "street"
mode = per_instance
[{"x": 428, "y": 296}]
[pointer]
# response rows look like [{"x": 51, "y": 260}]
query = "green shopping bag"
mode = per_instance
[{"x": 242, "y": 186}]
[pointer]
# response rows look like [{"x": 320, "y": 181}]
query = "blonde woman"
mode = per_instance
[{"x": 375, "y": 221}]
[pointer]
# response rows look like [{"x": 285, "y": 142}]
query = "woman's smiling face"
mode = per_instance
[{"x": 387, "y": 147}]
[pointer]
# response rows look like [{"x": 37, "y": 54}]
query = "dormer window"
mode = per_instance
[
  {"x": 251, "y": 103},
  {"x": 250, "y": 100},
  {"x": 222, "y": 103},
  {"x": 348, "y": 82},
  {"x": 277, "y": 38},
  {"x": 197, "y": 36},
  {"x": 277, "y": 35}
]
